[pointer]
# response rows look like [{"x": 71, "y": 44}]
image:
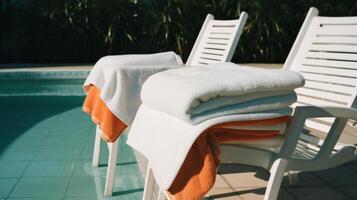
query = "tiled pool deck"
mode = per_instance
[{"x": 46, "y": 148}]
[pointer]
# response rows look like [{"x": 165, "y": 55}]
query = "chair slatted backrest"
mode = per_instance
[
  {"x": 325, "y": 53},
  {"x": 217, "y": 40}
]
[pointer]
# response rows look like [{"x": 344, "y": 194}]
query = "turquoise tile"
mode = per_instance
[
  {"x": 70, "y": 140},
  {"x": 84, "y": 187},
  {"x": 74, "y": 112},
  {"x": 126, "y": 155},
  {"x": 46, "y": 123},
  {"x": 62, "y": 168},
  {"x": 58, "y": 153},
  {"x": 128, "y": 177},
  {"x": 87, "y": 153},
  {"x": 82, "y": 198},
  {"x": 36, "y": 132},
  {"x": 90, "y": 139},
  {"x": 94, "y": 187},
  {"x": 6, "y": 185},
  {"x": 25, "y": 141},
  {"x": 60, "y": 130},
  {"x": 54, "y": 151},
  {"x": 40, "y": 187},
  {"x": 84, "y": 168},
  {"x": 37, "y": 126},
  {"x": 10, "y": 169},
  {"x": 19, "y": 148},
  {"x": 31, "y": 198},
  {"x": 127, "y": 180},
  {"x": 18, "y": 153},
  {"x": 72, "y": 120}
]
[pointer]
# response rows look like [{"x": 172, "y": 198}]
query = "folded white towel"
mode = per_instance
[
  {"x": 165, "y": 140},
  {"x": 120, "y": 78},
  {"x": 252, "y": 106},
  {"x": 186, "y": 92}
]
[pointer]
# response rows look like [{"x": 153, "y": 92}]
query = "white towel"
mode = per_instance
[
  {"x": 120, "y": 79},
  {"x": 165, "y": 140},
  {"x": 190, "y": 91},
  {"x": 252, "y": 106}
]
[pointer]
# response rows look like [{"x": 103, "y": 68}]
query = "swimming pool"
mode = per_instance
[{"x": 47, "y": 142}]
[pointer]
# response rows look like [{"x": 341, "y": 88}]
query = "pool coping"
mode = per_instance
[
  {"x": 67, "y": 71},
  {"x": 43, "y": 80},
  {"x": 26, "y": 66},
  {"x": 42, "y": 72}
]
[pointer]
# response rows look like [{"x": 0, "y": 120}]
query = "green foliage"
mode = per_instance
[
  {"x": 172, "y": 25},
  {"x": 12, "y": 30},
  {"x": 85, "y": 30},
  {"x": 267, "y": 32}
]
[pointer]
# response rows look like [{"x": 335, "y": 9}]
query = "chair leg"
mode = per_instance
[
  {"x": 96, "y": 151},
  {"x": 149, "y": 184},
  {"x": 276, "y": 176},
  {"x": 293, "y": 177},
  {"x": 98, "y": 184},
  {"x": 160, "y": 195},
  {"x": 112, "y": 161}
]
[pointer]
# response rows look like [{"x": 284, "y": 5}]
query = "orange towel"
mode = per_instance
[
  {"x": 198, "y": 172},
  {"x": 110, "y": 125}
]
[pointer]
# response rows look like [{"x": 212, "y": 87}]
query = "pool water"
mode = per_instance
[{"x": 46, "y": 149}]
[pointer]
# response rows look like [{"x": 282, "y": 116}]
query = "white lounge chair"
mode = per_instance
[
  {"x": 216, "y": 42},
  {"x": 325, "y": 54}
]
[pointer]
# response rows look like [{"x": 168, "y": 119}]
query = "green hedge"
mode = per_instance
[{"x": 85, "y": 30}]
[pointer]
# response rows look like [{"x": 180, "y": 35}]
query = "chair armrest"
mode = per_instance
[
  {"x": 338, "y": 112},
  {"x": 352, "y": 123},
  {"x": 296, "y": 124}
]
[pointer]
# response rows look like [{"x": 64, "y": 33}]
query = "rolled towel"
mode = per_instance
[{"x": 194, "y": 93}]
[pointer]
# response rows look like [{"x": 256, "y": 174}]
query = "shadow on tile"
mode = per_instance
[
  {"x": 126, "y": 192},
  {"x": 23, "y": 116},
  {"x": 231, "y": 168}
]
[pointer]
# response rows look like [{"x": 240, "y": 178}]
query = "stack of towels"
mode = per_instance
[
  {"x": 181, "y": 108},
  {"x": 198, "y": 93}
]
